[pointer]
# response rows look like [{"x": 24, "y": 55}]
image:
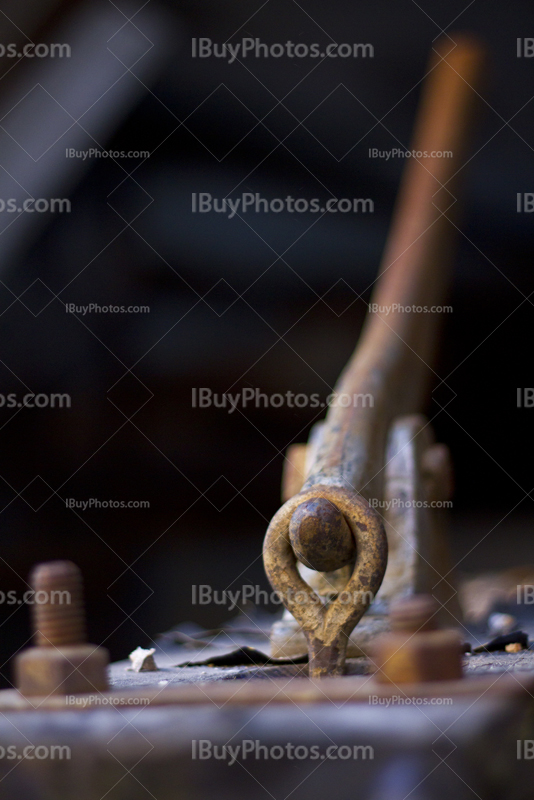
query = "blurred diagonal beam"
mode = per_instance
[{"x": 50, "y": 105}]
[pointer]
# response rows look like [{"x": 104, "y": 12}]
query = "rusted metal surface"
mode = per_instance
[
  {"x": 390, "y": 364},
  {"x": 60, "y": 619},
  {"x": 61, "y": 662},
  {"x": 320, "y": 536},
  {"x": 481, "y": 681},
  {"x": 417, "y": 472},
  {"x": 294, "y": 473},
  {"x": 136, "y": 742},
  {"x": 327, "y": 628},
  {"x": 415, "y": 651},
  {"x": 128, "y": 753}
]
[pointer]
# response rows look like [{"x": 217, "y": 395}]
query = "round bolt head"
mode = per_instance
[{"x": 320, "y": 536}]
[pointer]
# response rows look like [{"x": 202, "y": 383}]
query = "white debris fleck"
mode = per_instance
[
  {"x": 163, "y": 683},
  {"x": 143, "y": 660}
]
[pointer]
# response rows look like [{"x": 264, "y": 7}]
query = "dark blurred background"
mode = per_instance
[{"x": 270, "y": 301}]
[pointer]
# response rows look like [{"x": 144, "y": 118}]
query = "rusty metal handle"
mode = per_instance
[{"x": 390, "y": 364}]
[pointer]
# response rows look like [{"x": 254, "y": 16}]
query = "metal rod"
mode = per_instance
[{"x": 390, "y": 364}]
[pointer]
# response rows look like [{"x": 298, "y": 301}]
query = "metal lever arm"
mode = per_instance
[{"x": 390, "y": 364}]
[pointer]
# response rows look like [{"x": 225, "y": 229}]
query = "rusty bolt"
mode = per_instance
[
  {"x": 438, "y": 473},
  {"x": 61, "y": 662},
  {"x": 415, "y": 650},
  {"x": 320, "y": 535}
]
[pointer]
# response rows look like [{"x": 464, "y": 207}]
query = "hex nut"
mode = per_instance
[
  {"x": 414, "y": 651},
  {"x": 418, "y": 658},
  {"x": 75, "y": 669}
]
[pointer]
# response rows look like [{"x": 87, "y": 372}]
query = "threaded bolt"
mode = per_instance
[
  {"x": 414, "y": 614},
  {"x": 58, "y": 613}
]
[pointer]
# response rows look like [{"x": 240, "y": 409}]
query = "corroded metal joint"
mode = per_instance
[{"x": 327, "y": 627}]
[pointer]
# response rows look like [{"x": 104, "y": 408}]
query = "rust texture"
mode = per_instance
[
  {"x": 327, "y": 626},
  {"x": 57, "y": 614},
  {"x": 294, "y": 470},
  {"x": 320, "y": 536}
]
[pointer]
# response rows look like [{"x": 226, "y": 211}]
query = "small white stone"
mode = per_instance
[{"x": 143, "y": 660}]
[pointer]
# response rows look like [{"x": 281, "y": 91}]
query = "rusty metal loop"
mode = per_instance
[{"x": 328, "y": 623}]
